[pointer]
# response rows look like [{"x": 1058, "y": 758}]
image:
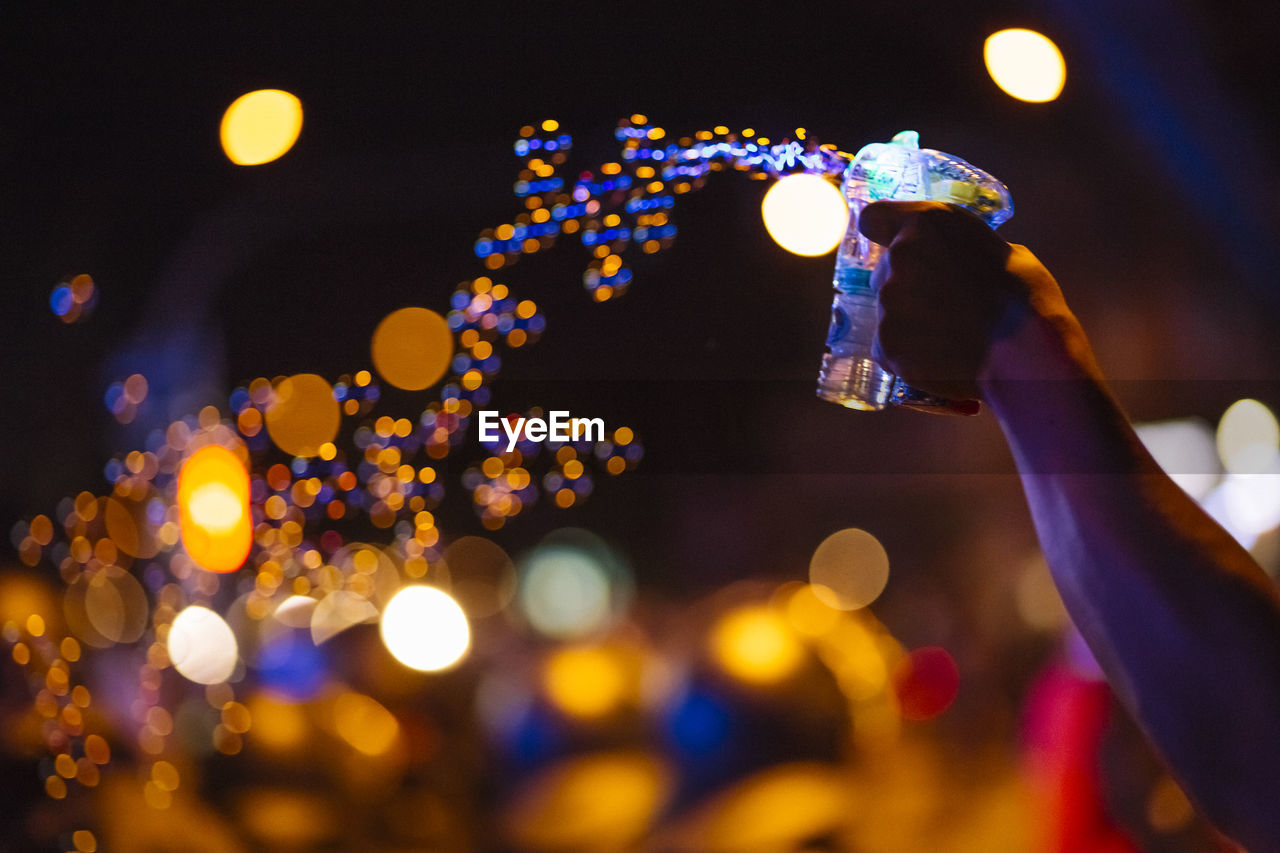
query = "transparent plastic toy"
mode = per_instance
[{"x": 901, "y": 171}]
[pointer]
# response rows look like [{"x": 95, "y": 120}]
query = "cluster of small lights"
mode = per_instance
[
  {"x": 137, "y": 574},
  {"x": 123, "y": 398},
  {"x": 61, "y": 704},
  {"x": 483, "y": 314},
  {"x": 74, "y": 300},
  {"x": 627, "y": 204},
  {"x": 502, "y": 484}
]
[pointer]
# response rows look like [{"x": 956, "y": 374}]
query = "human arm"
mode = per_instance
[{"x": 1183, "y": 622}]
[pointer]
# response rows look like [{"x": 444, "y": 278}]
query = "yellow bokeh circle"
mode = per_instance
[
  {"x": 1025, "y": 64},
  {"x": 213, "y": 502},
  {"x": 412, "y": 348},
  {"x": 805, "y": 214},
  {"x": 261, "y": 126},
  {"x": 303, "y": 414}
]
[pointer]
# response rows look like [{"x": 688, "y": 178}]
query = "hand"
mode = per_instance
[{"x": 957, "y": 303}]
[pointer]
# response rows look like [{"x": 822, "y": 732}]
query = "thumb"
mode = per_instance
[{"x": 881, "y": 221}]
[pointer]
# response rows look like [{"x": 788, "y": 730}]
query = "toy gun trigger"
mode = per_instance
[{"x": 912, "y": 398}]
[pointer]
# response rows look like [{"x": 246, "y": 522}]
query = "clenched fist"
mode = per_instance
[{"x": 957, "y": 302}]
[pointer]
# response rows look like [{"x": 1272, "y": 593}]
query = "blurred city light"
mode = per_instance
[
  {"x": 339, "y": 610},
  {"x": 482, "y": 576},
  {"x": 595, "y": 802},
  {"x": 1248, "y": 437},
  {"x": 1248, "y": 505},
  {"x": 780, "y": 808},
  {"x": 288, "y": 664},
  {"x": 303, "y": 414},
  {"x": 412, "y": 348},
  {"x": 1025, "y": 64},
  {"x": 805, "y": 214},
  {"x": 213, "y": 501},
  {"x": 585, "y": 681},
  {"x": 927, "y": 682},
  {"x": 107, "y": 607},
  {"x": 849, "y": 569},
  {"x": 74, "y": 300},
  {"x": 201, "y": 646},
  {"x": 364, "y": 723},
  {"x": 261, "y": 126},
  {"x": 425, "y": 629},
  {"x": 565, "y": 591},
  {"x": 1185, "y": 450},
  {"x": 756, "y": 645}
]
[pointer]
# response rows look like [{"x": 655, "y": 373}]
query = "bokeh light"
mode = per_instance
[
  {"x": 304, "y": 574},
  {"x": 213, "y": 500},
  {"x": 1037, "y": 598},
  {"x": 425, "y": 629},
  {"x": 604, "y": 801},
  {"x": 780, "y": 808},
  {"x": 756, "y": 645},
  {"x": 278, "y": 725},
  {"x": 295, "y": 611},
  {"x": 1250, "y": 504},
  {"x": 585, "y": 681},
  {"x": 805, "y": 214},
  {"x": 261, "y": 126},
  {"x": 849, "y": 569},
  {"x": 339, "y": 610},
  {"x": 289, "y": 664},
  {"x": 566, "y": 591},
  {"x": 1025, "y": 64},
  {"x": 483, "y": 578},
  {"x": 364, "y": 723},
  {"x": 1186, "y": 451},
  {"x": 927, "y": 682},
  {"x": 107, "y": 607},
  {"x": 303, "y": 414},
  {"x": 74, "y": 300},
  {"x": 412, "y": 348},
  {"x": 1248, "y": 437},
  {"x": 201, "y": 646}
]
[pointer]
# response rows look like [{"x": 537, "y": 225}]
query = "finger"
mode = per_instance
[
  {"x": 916, "y": 247},
  {"x": 959, "y": 228},
  {"x": 881, "y": 221}
]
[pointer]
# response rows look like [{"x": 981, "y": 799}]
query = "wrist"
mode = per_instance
[{"x": 1032, "y": 353}]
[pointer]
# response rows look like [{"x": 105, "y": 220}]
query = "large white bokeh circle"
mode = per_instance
[{"x": 425, "y": 629}]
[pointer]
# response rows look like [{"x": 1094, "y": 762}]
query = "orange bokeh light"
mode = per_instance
[{"x": 213, "y": 498}]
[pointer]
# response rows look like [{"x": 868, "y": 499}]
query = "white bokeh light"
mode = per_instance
[
  {"x": 425, "y": 629},
  {"x": 201, "y": 646},
  {"x": 805, "y": 214},
  {"x": 1026, "y": 64},
  {"x": 1185, "y": 450},
  {"x": 1248, "y": 438},
  {"x": 565, "y": 592},
  {"x": 849, "y": 569}
]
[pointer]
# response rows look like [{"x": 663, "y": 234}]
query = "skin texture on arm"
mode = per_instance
[{"x": 1183, "y": 621}]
